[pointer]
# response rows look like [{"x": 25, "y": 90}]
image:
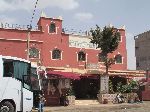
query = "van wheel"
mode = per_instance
[{"x": 7, "y": 107}]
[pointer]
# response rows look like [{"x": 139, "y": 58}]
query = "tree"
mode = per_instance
[
  {"x": 111, "y": 90},
  {"x": 107, "y": 40},
  {"x": 127, "y": 88}
]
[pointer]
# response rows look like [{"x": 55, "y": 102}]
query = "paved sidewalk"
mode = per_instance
[{"x": 125, "y": 107}]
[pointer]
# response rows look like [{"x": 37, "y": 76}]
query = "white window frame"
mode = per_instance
[
  {"x": 51, "y": 52},
  {"x": 34, "y": 58},
  {"x": 121, "y": 58}
]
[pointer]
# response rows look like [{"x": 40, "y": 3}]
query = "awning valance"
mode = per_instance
[{"x": 68, "y": 75}]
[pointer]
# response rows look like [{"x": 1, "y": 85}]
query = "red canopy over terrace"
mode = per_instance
[
  {"x": 68, "y": 75},
  {"x": 90, "y": 76}
]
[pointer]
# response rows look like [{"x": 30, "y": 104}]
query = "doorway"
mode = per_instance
[{"x": 86, "y": 88}]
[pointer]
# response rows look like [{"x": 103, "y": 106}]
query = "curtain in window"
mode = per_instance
[{"x": 20, "y": 69}]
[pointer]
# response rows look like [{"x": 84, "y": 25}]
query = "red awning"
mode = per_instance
[
  {"x": 90, "y": 76},
  {"x": 68, "y": 75}
]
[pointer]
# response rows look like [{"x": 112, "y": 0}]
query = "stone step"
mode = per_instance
[{"x": 86, "y": 102}]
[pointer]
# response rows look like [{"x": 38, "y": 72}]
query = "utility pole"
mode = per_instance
[
  {"x": 29, "y": 29},
  {"x": 28, "y": 41}
]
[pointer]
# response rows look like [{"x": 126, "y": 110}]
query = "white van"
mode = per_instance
[{"x": 16, "y": 94}]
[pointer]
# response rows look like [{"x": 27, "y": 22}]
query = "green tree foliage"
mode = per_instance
[
  {"x": 107, "y": 40},
  {"x": 119, "y": 87},
  {"x": 111, "y": 91},
  {"x": 127, "y": 88},
  {"x": 71, "y": 92}
]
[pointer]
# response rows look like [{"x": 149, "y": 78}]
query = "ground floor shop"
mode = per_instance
[{"x": 58, "y": 85}]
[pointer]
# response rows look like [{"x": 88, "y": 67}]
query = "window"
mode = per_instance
[
  {"x": 56, "y": 54},
  {"x": 16, "y": 69},
  {"x": 118, "y": 58},
  {"x": 19, "y": 70},
  {"x": 33, "y": 53},
  {"x": 81, "y": 56},
  {"x": 52, "y": 28},
  {"x": 101, "y": 58}
]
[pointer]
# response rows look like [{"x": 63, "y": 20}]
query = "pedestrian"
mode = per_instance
[
  {"x": 139, "y": 92},
  {"x": 41, "y": 103},
  {"x": 63, "y": 100}
]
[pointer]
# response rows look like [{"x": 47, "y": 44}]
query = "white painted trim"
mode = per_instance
[
  {"x": 51, "y": 55},
  {"x": 122, "y": 60},
  {"x": 56, "y": 29},
  {"x": 38, "y": 56},
  {"x": 14, "y": 58},
  {"x": 21, "y": 40},
  {"x": 101, "y": 62},
  {"x": 85, "y": 56},
  {"x": 77, "y": 56},
  {"x": 118, "y": 52},
  {"x": 60, "y": 54}
]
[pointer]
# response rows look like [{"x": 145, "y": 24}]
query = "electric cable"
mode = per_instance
[{"x": 33, "y": 15}]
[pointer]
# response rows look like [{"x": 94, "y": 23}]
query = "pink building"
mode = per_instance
[
  {"x": 53, "y": 49},
  {"x": 49, "y": 39}
]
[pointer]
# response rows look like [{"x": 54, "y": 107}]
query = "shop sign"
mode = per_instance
[
  {"x": 92, "y": 66},
  {"x": 79, "y": 42}
]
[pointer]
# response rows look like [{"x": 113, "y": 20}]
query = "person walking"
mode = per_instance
[
  {"x": 139, "y": 93},
  {"x": 41, "y": 103}
]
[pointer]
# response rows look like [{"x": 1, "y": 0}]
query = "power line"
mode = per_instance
[{"x": 33, "y": 14}]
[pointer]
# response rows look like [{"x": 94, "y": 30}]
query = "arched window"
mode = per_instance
[
  {"x": 81, "y": 56},
  {"x": 52, "y": 28},
  {"x": 33, "y": 53},
  {"x": 56, "y": 54},
  {"x": 101, "y": 58},
  {"x": 118, "y": 58}
]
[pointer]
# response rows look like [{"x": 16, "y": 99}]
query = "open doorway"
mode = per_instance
[{"x": 86, "y": 88}]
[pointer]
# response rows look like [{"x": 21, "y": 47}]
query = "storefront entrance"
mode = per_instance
[{"x": 86, "y": 87}]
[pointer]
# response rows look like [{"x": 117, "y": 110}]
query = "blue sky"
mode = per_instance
[{"x": 83, "y": 15}]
